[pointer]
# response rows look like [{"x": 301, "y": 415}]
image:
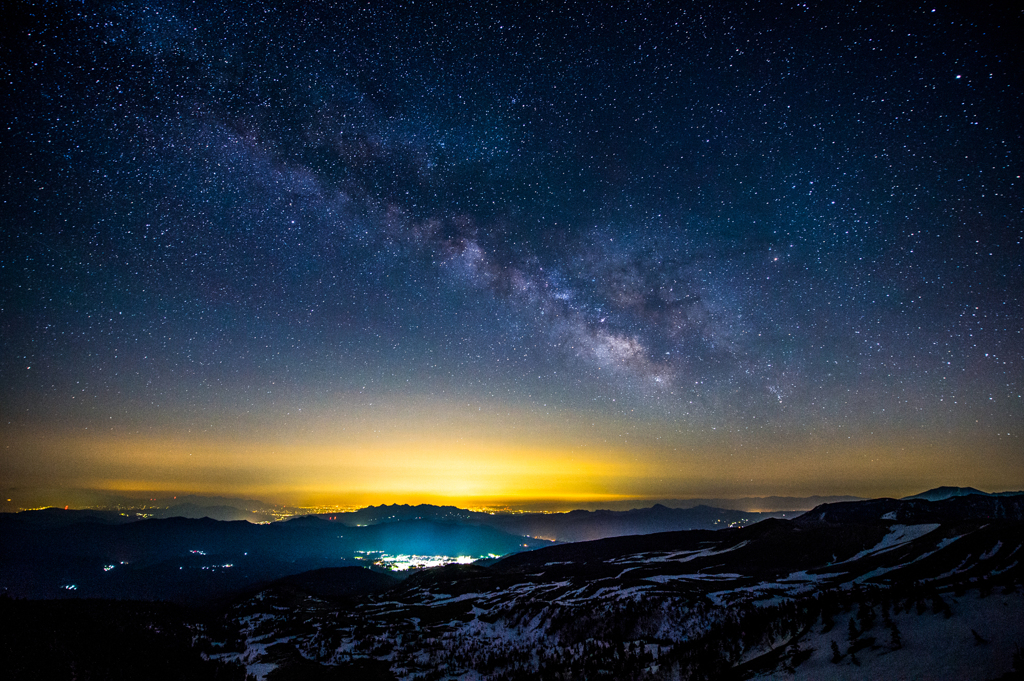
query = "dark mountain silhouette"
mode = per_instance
[
  {"x": 950, "y": 509},
  {"x": 573, "y": 526},
  {"x": 588, "y": 525},
  {"x": 194, "y": 560},
  {"x": 940, "y": 493},
  {"x": 772, "y": 504}
]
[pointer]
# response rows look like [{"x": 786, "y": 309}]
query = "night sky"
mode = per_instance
[{"x": 399, "y": 252}]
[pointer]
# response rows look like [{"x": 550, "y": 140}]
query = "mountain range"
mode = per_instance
[
  {"x": 883, "y": 588},
  {"x": 578, "y": 525},
  {"x": 874, "y": 589}
]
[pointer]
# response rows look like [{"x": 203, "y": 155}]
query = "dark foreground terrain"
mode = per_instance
[{"x": 872, "y": 589}]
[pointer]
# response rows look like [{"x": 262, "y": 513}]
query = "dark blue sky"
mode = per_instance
[{"x": 776, "y": 239}]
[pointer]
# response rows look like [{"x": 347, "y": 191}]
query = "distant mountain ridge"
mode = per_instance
[
  {"x": 191, "y": 509},
  {"x": 770, "y": 504},
  {"x": 15, "y": 499},
  {"x": 578, "y": 525},
  {"x": 940, "y": 493}
]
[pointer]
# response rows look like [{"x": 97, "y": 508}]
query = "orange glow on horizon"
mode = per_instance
[
  {"x": 412, "y": 453},
  {"x": 426, "y": 450}
]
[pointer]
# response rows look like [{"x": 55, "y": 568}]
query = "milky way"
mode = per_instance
[{"x": 771, "y": 221}]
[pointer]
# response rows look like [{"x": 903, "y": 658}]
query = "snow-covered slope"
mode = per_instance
[
  {"x": 975, "y": 639},
  {"x": 760, "y": 600}
]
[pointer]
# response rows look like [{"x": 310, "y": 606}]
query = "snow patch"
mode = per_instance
[
  {"x": 260, "y": 670},
  {"x": 1006, "y": 569},
  {"x": 934, "y": 646},
  {"x": 700, "y": 576},
  {"x": 898, "y": 536},
  {"x": 994, "y": 551},
  {"x": 804, "y": 576},
  {"x": 677, "y": 556}
]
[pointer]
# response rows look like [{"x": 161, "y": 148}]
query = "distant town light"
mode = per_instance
[{"x": 404, "y": 562}]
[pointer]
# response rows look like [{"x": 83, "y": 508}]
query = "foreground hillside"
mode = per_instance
[
  {"x": 879, "y": 589},
  {"x": 901, "y": 589}
]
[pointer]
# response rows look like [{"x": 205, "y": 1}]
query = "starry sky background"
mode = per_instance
[{"x": 412, "y": 251}]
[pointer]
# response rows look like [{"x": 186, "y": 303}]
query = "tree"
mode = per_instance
[
  {"x": 866, "y": 615},
  {"x": 826, "y": 622},
  {"x": 895, "y": 640}
]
